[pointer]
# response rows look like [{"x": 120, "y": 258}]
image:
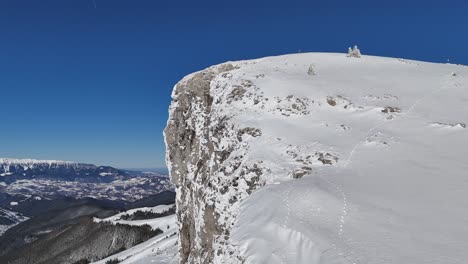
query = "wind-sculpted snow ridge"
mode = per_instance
[{"x": 363, "y": 161}]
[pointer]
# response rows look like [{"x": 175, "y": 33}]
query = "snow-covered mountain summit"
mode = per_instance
[{"x": 321, "y": 158}]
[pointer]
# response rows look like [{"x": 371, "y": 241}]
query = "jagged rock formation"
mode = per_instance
[
  {"x": 274, "y": 164},
  {"x": 193, "y": 137}
]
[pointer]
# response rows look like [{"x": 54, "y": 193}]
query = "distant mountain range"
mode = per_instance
[
  {"x": 24, "y": 181},
  {"x": 51, "y": 178},
  {"x": 16, "y": 169}
]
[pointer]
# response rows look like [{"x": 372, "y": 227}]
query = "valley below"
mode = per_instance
[{"x": 50, "y": 211}]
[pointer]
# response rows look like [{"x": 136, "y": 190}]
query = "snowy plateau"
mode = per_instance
[{"x": 321, "y": 158}]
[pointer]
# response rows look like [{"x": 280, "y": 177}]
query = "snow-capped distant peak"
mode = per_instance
[
  {"x": 7, "y": 165},
  {"x": 33, "y": 161}
]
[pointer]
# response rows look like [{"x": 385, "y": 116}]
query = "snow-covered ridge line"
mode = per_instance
[
  {"x": 6, "y": 164},
  {"x": 11, "y": 161}
]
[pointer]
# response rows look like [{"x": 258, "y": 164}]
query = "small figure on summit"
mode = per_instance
[{"x": 354, "y": 52}]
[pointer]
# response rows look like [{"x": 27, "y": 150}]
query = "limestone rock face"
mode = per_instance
[{"x": 199, "y": 140}]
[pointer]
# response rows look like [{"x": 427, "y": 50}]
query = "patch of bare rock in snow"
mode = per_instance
[
  {"x": 449, "y": 126},
  {"x": 321, "y": 158}
]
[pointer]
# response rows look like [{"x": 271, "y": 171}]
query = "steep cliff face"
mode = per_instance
[
  {"x": 317, "y": 158},
  {"x": 199, "y": 141}
]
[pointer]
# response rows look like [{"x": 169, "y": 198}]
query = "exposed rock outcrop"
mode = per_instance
[{"x": 204, "y": 155}]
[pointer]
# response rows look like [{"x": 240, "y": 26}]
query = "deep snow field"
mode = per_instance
[{"x": 379, "y": 146}]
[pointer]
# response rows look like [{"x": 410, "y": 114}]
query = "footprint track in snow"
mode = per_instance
[
  {"x": 344, "y": 209},
  {"x": 340, "y": 251},
  {"x": 289, "y": 254},
  {"x": 287, "y": 203}
]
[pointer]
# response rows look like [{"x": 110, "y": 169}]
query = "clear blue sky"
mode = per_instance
[{"x": 93, "y": 84}]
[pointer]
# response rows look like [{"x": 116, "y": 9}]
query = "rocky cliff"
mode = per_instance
[{"x": 199, "y": 142}]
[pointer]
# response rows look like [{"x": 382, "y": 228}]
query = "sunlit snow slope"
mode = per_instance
[
  {"x": 363, "y": 159},
  {"x": 398, "y": 191},
  {"x": 160, "y": 249}
]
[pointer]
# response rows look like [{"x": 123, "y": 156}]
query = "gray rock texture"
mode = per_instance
[{"x": 204, "y": 154}]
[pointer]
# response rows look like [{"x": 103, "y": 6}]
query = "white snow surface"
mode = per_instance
[
  {"x": 161, "y": 249},
  {"x": 393, "y": 132},
  {"x": 161, "y": 222}
]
